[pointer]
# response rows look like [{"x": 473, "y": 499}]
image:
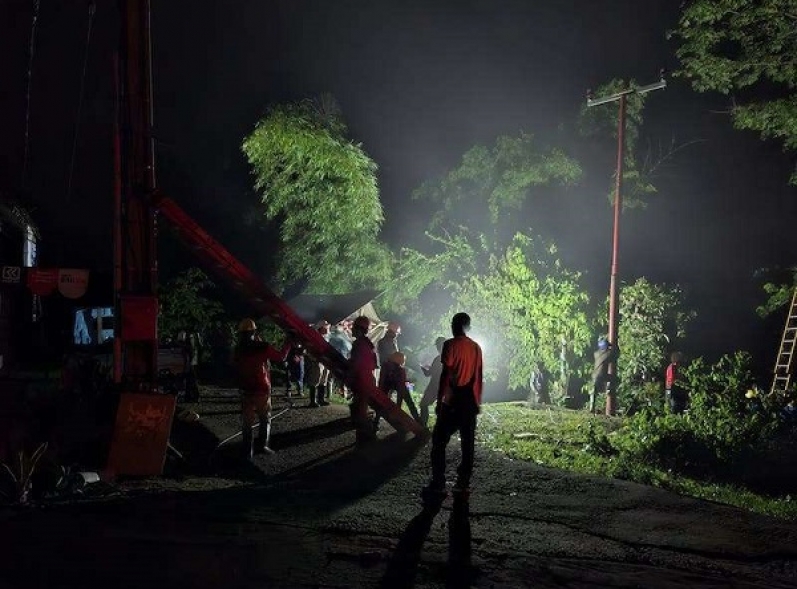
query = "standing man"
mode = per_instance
[
  {"x": 360, "y": 378},
  {"x": 393, "y": 377},
  {"x": 252, "y": 357},
  {"x": 603, "y": 356},
  {"x": 295, "y": 372},
  {"x": 318, "y": 375},
  {"x": 458, "y": 404},
  {"x": 433, "y": 371},
  {"x": 676, "y": 395},
  {"x": 389, "y": 342}
]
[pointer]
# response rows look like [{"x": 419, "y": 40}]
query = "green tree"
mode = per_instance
[
  {"x": 491, "y": 183},
  {"x": 745, "y": 48},
  {"x": 186, "y": 304},
  {"x": 480, "y": 257},
  {"x": 320, "y": 188},
  {"x": 779, "y": 290},
  {"x": 603, "y": 121},
  {"x": 471, "y": 216},
  {"x": 652, "y": 319},
  {"x": 525, "y": 303}
]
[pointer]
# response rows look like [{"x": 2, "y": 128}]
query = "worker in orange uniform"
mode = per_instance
[
  {"x": 360, "y": 378},
  {"x": 252, "y": 357},
  {"x": 458, "y": 404}
]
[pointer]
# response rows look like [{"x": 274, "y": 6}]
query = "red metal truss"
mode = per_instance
[{"x": 263, "y": 300}]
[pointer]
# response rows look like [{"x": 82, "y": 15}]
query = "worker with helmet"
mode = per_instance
[
  {"x": 433, "y": 371},
  {"x": 393, "y": 377},
  {"x": 252, "y": 357},
  {"x": 360, "y": 378}
]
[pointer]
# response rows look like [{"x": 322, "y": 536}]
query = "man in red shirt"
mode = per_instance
[
  {"x": 458, "y": 404},
  {"x": 252, "y": 357},
  {"x": 677, "y": 397}
]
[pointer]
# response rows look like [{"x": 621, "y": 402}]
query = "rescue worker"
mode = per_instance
[
  {"x": 393, "y": 377},
  {"x": 317, "y": 374},
  {"x": 339, "y": 340},
  {"x": 252, "y": 357},
  {"x": 189, "y": 343},
  {"x": 677, "y": 397},
  {"x": 360, "y": 378},
  {"x": 458, "y": 404},
  {"x": 389, "y": 342},
  {"x": 295, "y": 371},
  {"x": 433, "y": 371},
  {"x": 603, "y": 356}
]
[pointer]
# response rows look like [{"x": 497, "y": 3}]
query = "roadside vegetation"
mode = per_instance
[{"x": 732, "y": 446}]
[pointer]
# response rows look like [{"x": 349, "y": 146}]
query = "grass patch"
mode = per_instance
[{"x": 580, "y": 442}]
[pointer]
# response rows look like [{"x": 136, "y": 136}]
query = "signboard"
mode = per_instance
[
  {"x": 141, "y": 434},
  {"x": 42, "y": 281},
  {"x": 72, "y": 283},
  {"x": 11, "y": 275}
]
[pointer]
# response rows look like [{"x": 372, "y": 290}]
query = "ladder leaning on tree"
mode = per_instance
[{"x": 783, "y": 363}]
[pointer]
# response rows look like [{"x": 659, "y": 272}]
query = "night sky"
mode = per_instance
[{"x": 419, "y": 82}]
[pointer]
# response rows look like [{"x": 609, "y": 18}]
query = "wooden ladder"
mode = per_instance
[{"x": 783, "y": 363}]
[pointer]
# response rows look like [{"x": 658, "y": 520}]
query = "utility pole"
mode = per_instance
[{"x": 622, "y": 98}]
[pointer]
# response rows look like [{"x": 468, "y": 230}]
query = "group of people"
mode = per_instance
[
  {"x": 676, "y": 396},
  {"x": 455, "y": 385}
]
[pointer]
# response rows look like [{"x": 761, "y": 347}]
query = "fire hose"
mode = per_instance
[{"x": 254, "y": 427}]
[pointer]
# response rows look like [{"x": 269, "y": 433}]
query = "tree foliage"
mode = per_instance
[
  {"x": 525, "y": 304},
  {"x": 603, "y": 121},
  {"x": 779, "y": 290},
  {"x": 746, "y": 48},
  {"x": 490, "y": 183},
  {"x": 186, "y": 304},
  {"x": 471, "y": 211},
  {"x": 321, "y": 189},
  {"x": 480, "y": 256},
  {"x": 652, "y": 318}
]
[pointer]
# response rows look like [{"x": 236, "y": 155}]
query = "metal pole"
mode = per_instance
[
  {"x": 117, "y": 225},
  {"x": 611, "y": 397},
  {"x": 622, "y": 97}
]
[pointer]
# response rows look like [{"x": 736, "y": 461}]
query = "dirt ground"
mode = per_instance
[{"x": 320, "y": 514}]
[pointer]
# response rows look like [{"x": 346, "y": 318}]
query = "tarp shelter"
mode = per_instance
[{"x": 336, "y": 308}]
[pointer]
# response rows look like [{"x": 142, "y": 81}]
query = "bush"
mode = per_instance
[{"x": 721, "y": 437}]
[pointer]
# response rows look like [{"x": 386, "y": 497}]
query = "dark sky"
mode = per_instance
[{"x": 418, "y": 82}]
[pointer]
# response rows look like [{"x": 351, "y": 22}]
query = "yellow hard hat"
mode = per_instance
[
  {"x": 247, "y": 325},
  {"x": 751, "y": 394}
]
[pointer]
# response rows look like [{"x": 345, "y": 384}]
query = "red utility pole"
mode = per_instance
[
  {"x": 614, "y": 303},
  {"x": 611, "y": 397},
  {"x": 136, "y": 301},
  {"x": 143, "y": 417}
]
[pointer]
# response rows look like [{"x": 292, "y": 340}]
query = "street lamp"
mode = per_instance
[{"x": 621, "y": 97}]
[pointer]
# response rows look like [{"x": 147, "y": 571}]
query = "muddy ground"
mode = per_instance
[{"x": 320, "y": 514}]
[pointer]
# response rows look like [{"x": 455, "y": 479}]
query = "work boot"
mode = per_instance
[
  {"x": 320, "y": 390},
  {"x": 313, "y": 391}
]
